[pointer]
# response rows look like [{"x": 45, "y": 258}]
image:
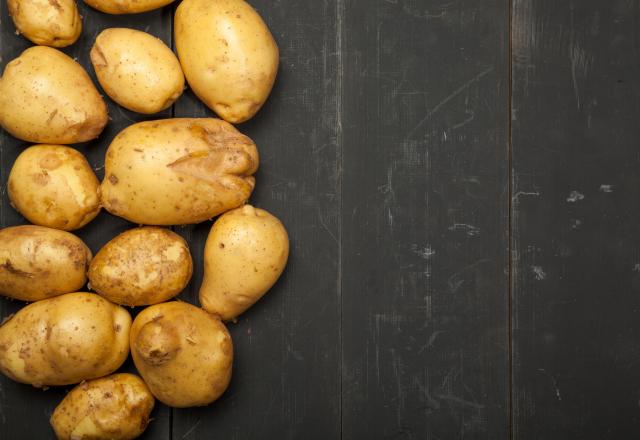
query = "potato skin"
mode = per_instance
[
  {"x": 228, "y": 55},
  {"x": 46, "y": 97},
  {"x": 115, "y": 407},
  {"x": 54, "y": 23},
  {"x": 137, "y": 70},
  {"x": 178, "y": 171},
  {"x": 184, "y": 354},
  {"x": 246, "y": 251},
  {"x": 142, "y": 266},
  {"x": 126, "y": 6},
  {"x": 54, "y": 186},
  {"x": 64, "y": 340},
  {"x": 38, "y": 263}
]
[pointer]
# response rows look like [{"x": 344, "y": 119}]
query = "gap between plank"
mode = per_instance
[{"x": 510, "y": 214}]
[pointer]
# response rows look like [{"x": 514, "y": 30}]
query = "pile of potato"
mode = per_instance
[{"x": 157, "y": 173}]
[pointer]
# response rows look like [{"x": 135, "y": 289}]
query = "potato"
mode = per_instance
[
  {"x": 228, "y": 55},
  {"x": 246, "y": 251},
  {"x": 182, "y": 353},
  {"x": 53, "y": 23},
  {"x": 38, "y": 263},
  {"x": 126, "y": 6},
  {"x": 64, "y": 340},
  {"x": 54, "y": 186},
  {"x": 142, "y": 266},
  {"x": 137, "y": 70},
  {"x": 46, "y": 97},
  {"x": 115, "y": 407},
  {"x": 178, "y": 171}
]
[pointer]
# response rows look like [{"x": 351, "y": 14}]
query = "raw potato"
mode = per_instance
[
  {"x": 126, "y": 6},
  {"x": 38, "y": 262},
  {"x": 115, "y": 407},
  {"x": 54, "y": 186},
  {"x": 142, "y": 266},
  {"x": 178, "y": 171},
  {"x": 228, "y": 55},
  {"x": 53, "y": 23},
  {"x": 245, "y": 253},
  {"x": 64, "y": 340},
  {"x": 137, "y": 70},
  {"x": 183, "y": 353},
  {"x": 46, "y": 97}
]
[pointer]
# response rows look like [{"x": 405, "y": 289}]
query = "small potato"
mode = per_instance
[
  {"x": 38, "y": 263},
  {"x": 126, "y": 6},
  {"x": 46, "y": 97},
  {"x": 137, "y": 70},
  {"x": 228, "y": 55},
  {"x": 53, "y": 23},
  {"x": 115, "y": 407},
  {"x": 246, "y": 251},
  {"x": 54, "y": 186},
  {"x": 182, "y": 353},
  {"x": 142, "y": 266},
  {"x": 178, "y": 171},
  {"x": 64, "y": 340}
]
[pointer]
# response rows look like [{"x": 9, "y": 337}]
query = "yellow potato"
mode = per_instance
[
  {"x": 46, "y": 97},
  {"x": 137, "y": 70},
  {"x": 126, "y": 6},
  {"x": 228, "y": 55},
  {"x": 178, "y": 171},
  {"x": 115, "y": 407},
  {"x": 245, "y": 253},
  {"x": 53, "y": 23},
  {"x": 183, "y": 354},
  {"x": 64, "y": 340},
  {"x": 54, "y": 186},
  {"x": 142, "y": 266}
]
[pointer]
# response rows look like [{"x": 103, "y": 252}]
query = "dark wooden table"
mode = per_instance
[{"x": 460, "y": 181}]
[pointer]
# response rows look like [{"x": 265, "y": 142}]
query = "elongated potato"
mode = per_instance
[
  {"x": 46, "y": 97},
  {"x": 178, "y": 171},
  {"x": 137, "y": 70},
  {"x": 115, "y": 407},
  {"x": 55, "y": 23},
  {"x": 64, "y": 340},
  {"x": 183, "y": 353},
  {"x": 126, "y": 6},
  {"x": 228, "y": 55}
]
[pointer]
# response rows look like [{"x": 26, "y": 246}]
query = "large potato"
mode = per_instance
[
  {"x": 228, "y": 55},
  {"x": 115, "y": 407},
  {"x": 46, "y": 97},
  {"x": 54, "y": 186},
  {"x": 38, "y": 263},
  {"x": 178, "y": 171},
  {"x": 137, "y": 70},
  {"x": 245, "y": 253},
  {"x": 142, "y": 266},
  {"x": 53, "y": 23},
  {"x": 183, "y": 353},
  {"x": 126, "y": 6},
  {"x": 64, "y": 340}
]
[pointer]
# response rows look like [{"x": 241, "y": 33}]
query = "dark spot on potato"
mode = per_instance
[
  {"x": 15, "y": 271},
  {"x": 221, "y": 245},
  {"x": 113, "y": 179},
  {"x": 117, "y": 328}
]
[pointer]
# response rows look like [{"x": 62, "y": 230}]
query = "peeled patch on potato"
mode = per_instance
[
  {"x": 137, "y": 70},
  {"x": 183, "y": 353},
  {"x": 54, "y": 186},
  {"x": 178, "y": 171},
  {"x": 115, "y": 407},
  {"x": 47, "y": 97},
  {"x": 54, "y": 23},
  {"x": 142, "y": 266},
  {"x": 126, "y": 6}
]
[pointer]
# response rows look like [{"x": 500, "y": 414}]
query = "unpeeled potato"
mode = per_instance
[
  {"x": 55, "y": 23},
  {"x": 126, "y": 6}
]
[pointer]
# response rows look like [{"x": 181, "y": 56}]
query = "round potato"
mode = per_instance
[
  {"x": 228, "y": 55},
  {"x": 246, "y": 251},
  {"x": 38, "y": 262},
  {"x": 115, "y": 407},
  {"x": 46, "y": 97},
  {"x": 64, "y": 340},
  {"x": 137, "y": 70},
  {"x": 126, "y": 6},
  {"x": 182, "y": 353},
  {"x": 54, "y": 186},
  {"x": 53, "y": 23},
  {"x": 142, "y": 266},
  {"x": 178, "y": 171}
]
